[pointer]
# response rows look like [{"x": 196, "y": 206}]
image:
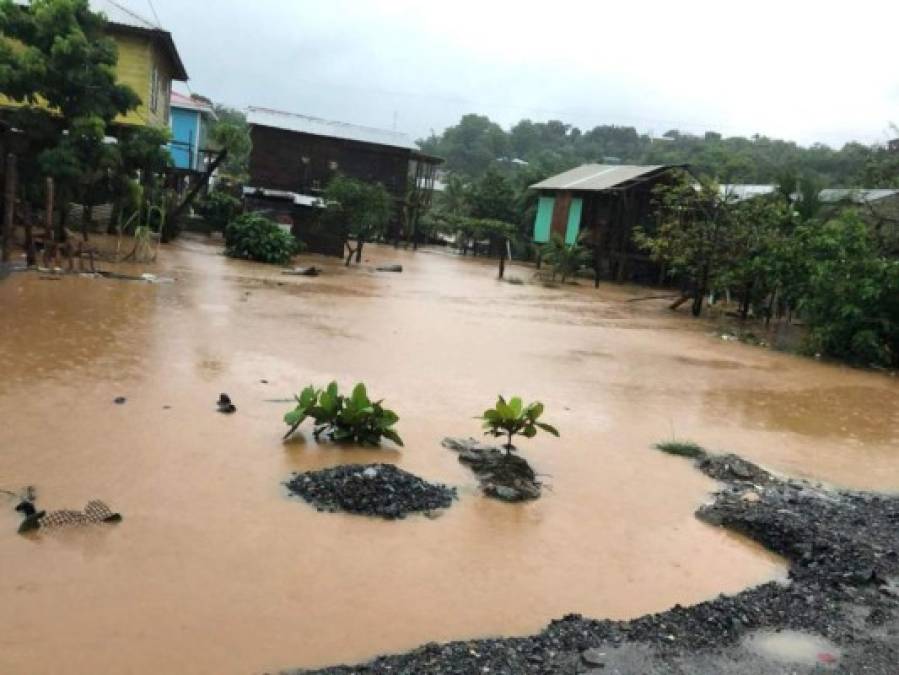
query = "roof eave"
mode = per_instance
[{"x": 160, "y": 35}]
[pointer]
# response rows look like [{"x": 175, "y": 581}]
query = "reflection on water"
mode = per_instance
[{"x": 214, "y": 571}]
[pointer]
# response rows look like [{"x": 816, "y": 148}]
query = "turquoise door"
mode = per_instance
[
  {"x": 574, "y": 220},
  {"x": 544, "y": 219}
]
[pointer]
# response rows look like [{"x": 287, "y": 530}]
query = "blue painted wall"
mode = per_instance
[{"x": 185, "y": 125}]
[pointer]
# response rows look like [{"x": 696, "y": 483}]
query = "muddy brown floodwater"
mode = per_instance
[{"x": 215, "y": 570}]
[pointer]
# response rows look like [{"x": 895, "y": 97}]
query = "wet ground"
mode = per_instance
[{"x": 214, "y": 571}]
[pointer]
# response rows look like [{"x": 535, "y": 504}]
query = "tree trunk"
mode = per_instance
[
  {"x": 502, "y": 265},
  {"x": 744, "y": 306},
  {"x": 359, "y": 245},
  {"x": 698, "y": 297}
]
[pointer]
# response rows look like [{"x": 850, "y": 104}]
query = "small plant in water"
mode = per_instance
[
  {"x": 681, "y": 448},
  {"x": 354, "y": 418},
  {"x": 513, "y": 419}
]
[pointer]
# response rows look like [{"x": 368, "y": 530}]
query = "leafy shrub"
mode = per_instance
[
  {"x": 255, "y": 237},
  {"x": 514, "y": 418},
  {"x": 566, "y": 259},
  {"x": 218, "y": 209},
  {"x": 353, "y": 418}
]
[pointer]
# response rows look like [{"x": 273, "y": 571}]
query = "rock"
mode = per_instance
[
  {"x": 505, "y": 493},
  {"x": 119, "y": 400},
  {"x": 594, "y": 657},
  {"x": 502, "y": 475},
  {"x": 390, "y": 268}
]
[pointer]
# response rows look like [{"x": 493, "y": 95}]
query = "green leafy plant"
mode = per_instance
[
  {"x": 681, "y": 448},
  {"x": 514, "y": 418},
  {"x": 255, "y": 237},
  {"x": 354, "y": 418},
  {"x": 566, "y": 259},
  {"x": 218, "y": 209}
]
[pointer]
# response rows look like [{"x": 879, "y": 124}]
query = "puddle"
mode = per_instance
[{"x": 793, "y": 647}]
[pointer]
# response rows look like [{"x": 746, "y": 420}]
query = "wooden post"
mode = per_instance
[
  {"x": 48, "y": 212},
  {"x": 10, "y": 208}
]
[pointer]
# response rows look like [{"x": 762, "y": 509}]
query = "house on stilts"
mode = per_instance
[{"x": 600, "y": 205}]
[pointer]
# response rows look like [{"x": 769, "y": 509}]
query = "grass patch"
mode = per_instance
[{"x": 681, "y": 448}]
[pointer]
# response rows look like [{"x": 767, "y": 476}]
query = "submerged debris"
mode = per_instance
[
  {"x": 843, "y": 596},
  {"x": 94, "y": 513},
  {"x": 224, "y": 404},
  {"x": 373, "y": 490},
  {"x": 390, "y": 268},
  {"x": 502, "y": 475},
  {"x": 312, "y": 271}
]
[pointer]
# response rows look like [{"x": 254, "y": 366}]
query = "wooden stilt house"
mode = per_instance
[{"x": 599, "y": 205}]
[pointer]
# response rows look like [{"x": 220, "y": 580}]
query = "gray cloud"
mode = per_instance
[{"x": 812, "y": 73}]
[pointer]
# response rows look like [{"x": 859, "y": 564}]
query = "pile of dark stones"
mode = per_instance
[
  {"x": 843, "y": 551},
  {"x": 502, "y": 475},
  {"x": 372, "y": 490}
]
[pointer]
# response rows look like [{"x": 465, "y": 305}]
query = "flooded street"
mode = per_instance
[{"x": 215, "y": 570}]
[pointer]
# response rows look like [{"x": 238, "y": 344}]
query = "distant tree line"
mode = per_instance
[{"x": 477, "y": 144}]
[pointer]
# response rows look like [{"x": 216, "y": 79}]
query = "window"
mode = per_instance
[{"x": 154, "y": 89}]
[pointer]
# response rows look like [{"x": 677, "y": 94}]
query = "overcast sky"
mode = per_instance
[{"x": 807, "y": 71}]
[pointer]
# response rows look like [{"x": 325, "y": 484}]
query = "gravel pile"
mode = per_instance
[
  {"x": 372, "y": 490},
  {"x": 843, "y": 549}
]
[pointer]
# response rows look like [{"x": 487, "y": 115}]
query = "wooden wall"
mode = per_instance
[{"x": 276, "y": 162}]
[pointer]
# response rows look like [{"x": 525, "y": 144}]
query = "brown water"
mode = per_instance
[{"x": 214, "y": 571}]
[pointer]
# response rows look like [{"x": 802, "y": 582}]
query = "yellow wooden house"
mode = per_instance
[{"x": 148, "y": 60}]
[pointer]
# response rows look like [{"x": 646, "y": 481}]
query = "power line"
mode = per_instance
[{"x": 155, "y": 15}]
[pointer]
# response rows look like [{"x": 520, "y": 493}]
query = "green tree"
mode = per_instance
[
  {"x": 232, "y": 133},
  {"x": 58, "y": 64},
  {"x": 847, "y": 293},
  {"x": 361, "y": 209},
  {"x": 692, "y": 237},
  {"x": 492, "y": 196}
]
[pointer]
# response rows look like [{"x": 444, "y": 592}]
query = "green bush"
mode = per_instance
[
  {"x": 353, "y": 418},
  {"x": 849, "y": 296},
  {"x": 255, "y": 237},
  {"x": 218, "y": 209},
  {"x": 514, "y": 418}
]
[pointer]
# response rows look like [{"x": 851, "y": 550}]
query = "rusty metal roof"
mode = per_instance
[
  {"x": 265, "y": 117},
  {"x": 596, "y": 177}
]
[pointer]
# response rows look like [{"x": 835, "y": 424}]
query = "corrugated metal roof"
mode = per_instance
[
  {"x": 265, "y": 117},
  {"x": 739, "y": 192},
  {"x": 595, "y": 177},
  {"x": 179, "y": 100},
  {"x": 855, "y": 195}
]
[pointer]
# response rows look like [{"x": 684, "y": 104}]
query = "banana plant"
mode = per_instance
[
  {"x": 513, "y": 418},
  {"x": 354, "y": 418}
]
